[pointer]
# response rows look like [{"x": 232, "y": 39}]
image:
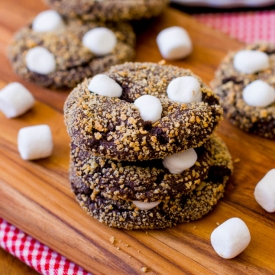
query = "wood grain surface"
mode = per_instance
[{"x": 35, "y": 195}]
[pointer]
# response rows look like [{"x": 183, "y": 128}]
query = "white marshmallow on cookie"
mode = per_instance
[
  {"x": 102, "y": 84},
  {"x": 259, "y": 94},
  {"x": 185, "y": 89},
  {"x": 174, "y": 43},
  {"x": 150, "y": 107},
  {"x": 230, "y": 238},
  {"x": 249, "y": 62},
  {"x": 15, "y": 100},
  {"x": 100, "y": 41},
  {"x": 265, "y": 192},
  {"x": 40, "y": 60},
  {"x": 35, "y": 142},
  {"x": 181, "y": 161},
  {"x": 48, "y": 21},
  {"x": 146, "y": 205}
]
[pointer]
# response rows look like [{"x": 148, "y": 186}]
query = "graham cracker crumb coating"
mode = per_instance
[{"x": 113, "y": 127}]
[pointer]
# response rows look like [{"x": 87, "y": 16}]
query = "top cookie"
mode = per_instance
[
  {"x": 113, "y": 127},
  {"x": 245, "y": 83},
  {"x": 65, "y": 53},
  {"x": 109, "y": 10}
]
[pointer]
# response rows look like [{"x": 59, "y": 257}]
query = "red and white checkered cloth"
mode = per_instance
[
  {"x": 35, "y": 254},
  {"x": 246, "y": 27}
]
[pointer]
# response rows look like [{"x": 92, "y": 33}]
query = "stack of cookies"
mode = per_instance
[
  {"x": 143, "y": 150},
  {"x": 78, "y": 39}
]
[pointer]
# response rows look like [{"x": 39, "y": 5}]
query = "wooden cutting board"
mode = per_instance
[{"x": 36, "y": 196}]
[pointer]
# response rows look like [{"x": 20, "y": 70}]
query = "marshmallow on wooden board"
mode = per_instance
[
  {"x": 230, "y": 238},
  {"x": 48, "y": 21},
  {"x": 181, "y": 161},
  {"x": 174, "y": 43},
  {"x": 150, "y": 107},
  {"x": 185, "y": 89},
  {"x": 40, "y": 60},
  {"x": 259, "y": 94},
  {"x": 35, "y": 142},
  {"x": 100, "y": 41},
  {"x": 102, "y": 84},
  {"x": 249, "y": 62},
  {"x": 146, "y": 205},
  {"x": 265, "y": 192},
  {"x": 15, "y": 100}
]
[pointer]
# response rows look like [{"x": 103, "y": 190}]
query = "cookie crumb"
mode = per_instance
[
  {"x": 118, "y": 248},
  {"x": 162, "y": 62},
  {"x": 194, "y": 227},
  {"x": 112, "y": 239},
  {"x": 217, "y": 223},
  {"x": 237, "y": 160},
  {"x": 144, "y": 269}
]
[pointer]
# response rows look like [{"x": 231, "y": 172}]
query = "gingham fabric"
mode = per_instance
[
  {"x": 35, "y": 254},
  {"x": 247, "y": 27}
]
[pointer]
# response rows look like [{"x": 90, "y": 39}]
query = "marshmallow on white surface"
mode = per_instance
[
  {"x": 150, "y": 107},
  {"x": 249, "y": 62},
  {"x": 40, "y": 60},
  {"x": 35, "y": 142},
  {"x": 230, "y": 238},
  {"x": 15, "y": 100},
  {"x": 174, "y": 43},
  {"x": 100, "y": 41},
  {"x": 146, "y": 205},
  {"x": 185, "y": 89},
  {"x": 259, "y": 94},
  {"x": 265, "y": 192},
  {"x": 102, "y": 84},
  {"x": 181, "y": 161},
  {"x": 48, "y": 21}
]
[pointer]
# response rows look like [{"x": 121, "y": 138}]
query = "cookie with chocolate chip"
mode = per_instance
[
  {"x": 113, "y": 127},
  {"x": 109, "y": 10},
  {"x": 69, "y": 52},
  {"x": 143, "y": 180},
  {"x": 126, "y": 214},
  {"x": 245, "y": 83}
]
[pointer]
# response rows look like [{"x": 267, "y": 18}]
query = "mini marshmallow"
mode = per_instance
[
  {"x": 40, "y": 60},
  {"x": 230, "y": 238},
  {"x": 259, "y": 94},
  {"x": 149, "y": 107},
  {"x": 265, "y": 192},
  {"x": 100, "y": 41},
  {"x": 48, "y": 21},
  {"x": 35, "y": 142},
  {"x": 174, "y": 43},
  {"x": 146, "y": 205},
  {"x": 15, "y": 100},
  {"x": 250, "y": 62},
  {"x": 181, "y": 161},
  {"x": 185, "y": 89},
  {"x": 102, "y": 84}
]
